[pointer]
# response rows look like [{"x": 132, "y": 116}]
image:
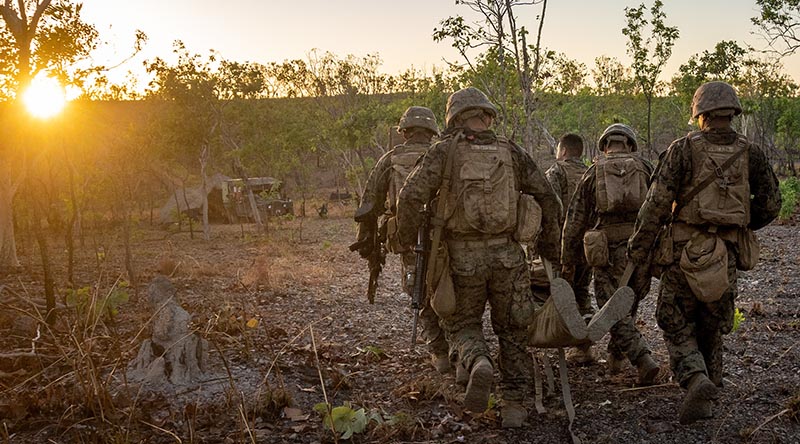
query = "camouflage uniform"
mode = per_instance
[
  {"x": 377, "y": 193},
  {"x": 494, "y": 270},
  {"x": 693, "y": 329},
  {"x": 582, "y": 215},
  {"x": 559, "y": 175}
]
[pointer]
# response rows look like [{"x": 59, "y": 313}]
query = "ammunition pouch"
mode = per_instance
[
  {"x": 529, "y": 219},
  {"x": 704, "y": 262},
  {"x": 595, "y": 248},
  {"x": 440, "y": 283}
]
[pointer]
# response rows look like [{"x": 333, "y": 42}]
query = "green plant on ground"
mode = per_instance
[
  {"x": 738, "y": 318},
  {"x": 790, "y": 190},
  {"x": 345, "y": 419},
  {"x": 91, "y": 305}
]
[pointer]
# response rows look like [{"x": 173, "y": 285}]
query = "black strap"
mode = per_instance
[{"x": 707, "y": 181}]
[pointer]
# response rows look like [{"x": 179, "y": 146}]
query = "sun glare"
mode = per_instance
[{"x": 45, "y": 97}]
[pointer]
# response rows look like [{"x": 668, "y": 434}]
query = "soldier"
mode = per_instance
[
  {"x": 564, "y": 175},
  {"x": 418, "y": 127},
  {"x": 710, "y": 190},
  {"x": 484, "y": 176},
  {"x": 599, "y": 220}
]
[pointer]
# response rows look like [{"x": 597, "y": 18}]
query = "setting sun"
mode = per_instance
[{"x": 45, "y": 97}]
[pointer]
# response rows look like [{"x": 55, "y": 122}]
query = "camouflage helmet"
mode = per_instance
[
  {"x": 715, "y": 95},
  {"x": 465, "y": 99},
  {"x": 622, "y": 129},
  {"x": 418, "y": 117}
]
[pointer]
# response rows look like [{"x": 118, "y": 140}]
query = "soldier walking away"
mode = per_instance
[
  {"x": 564, "y": 176},
  {"x": 710, "y": 190},
  {"x": 479, "y": 178},
  {"x": 418, "y": 126},
  {"x": 599, "y": 221}
]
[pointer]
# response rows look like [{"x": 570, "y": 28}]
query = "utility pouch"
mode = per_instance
[
  {"x": 393, "y": 236},
  {"x": 748, "y": 249},
  {"x": 440, "y": 282},
  {"x": 529, "y": 219},
  {"x": 704, "y": 262},
  {"x": 595, "y": 248}
]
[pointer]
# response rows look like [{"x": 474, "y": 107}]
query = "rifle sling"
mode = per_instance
[{"x": 438, "y": 219}]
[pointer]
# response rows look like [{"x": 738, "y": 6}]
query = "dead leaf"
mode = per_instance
[{"x": 295, "y": 414}]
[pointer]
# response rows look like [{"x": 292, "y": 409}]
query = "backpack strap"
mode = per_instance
[
  {"x": 741, "y": 141},
  {"x": 438, "y": 220}
]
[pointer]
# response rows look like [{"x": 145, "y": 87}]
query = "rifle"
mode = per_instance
[
  {"x": 377, "y": 256},
  {"x": 421, "y": 249}
]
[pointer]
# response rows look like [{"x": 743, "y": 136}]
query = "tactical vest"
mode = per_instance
[
  {"x": 572, "y": 173},
  {"x": 483, "y": 196},
  {"x": 726, "y": 201},
  {"x": 404, "y": 158},
  {"x": 621, "y": 183}
]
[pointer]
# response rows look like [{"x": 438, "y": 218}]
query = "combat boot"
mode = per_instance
[
  {"x": 581, "y": 355},
  {"x": 615, "y": 364},
  {"x": 462, "y": 375},
  {"x": 648, "y": 369},
  {"x": 698, "y": 401},
  {"x": 476, "y": 398},
  {"x": 513, "y": 414},
  {"x": 440, "y": 362}
]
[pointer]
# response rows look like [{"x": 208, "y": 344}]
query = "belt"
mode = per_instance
[
  {"x": 682, "y": 232},
  {"x": 477, "y": 243}
]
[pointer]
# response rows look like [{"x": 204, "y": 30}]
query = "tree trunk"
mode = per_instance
[
  {"x": 49, "y": 286},
  {"x": 8, "y": 246}
]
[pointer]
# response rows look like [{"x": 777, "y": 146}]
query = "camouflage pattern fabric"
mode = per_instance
[
  {"x": 376, "y": 191},
  {"x": 564, "y": 188},
  {"x": 494, "y": 273},
  {"x": 582, "y": 215},
  {"x": 497, "y": 274},
  {"x": 693, "y": 330},
  {"x": 626, "y": 340}
]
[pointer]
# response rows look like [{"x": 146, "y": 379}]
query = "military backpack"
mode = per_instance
[{"x": 621, "y": 183}]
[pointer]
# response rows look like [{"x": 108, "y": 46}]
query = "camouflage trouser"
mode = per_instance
[
  {"x": 583, "y": 274},
  {"x": 428, "y": 320},
  {"x": 626, "y": 340},
  {"x": 693, "y": 329},
  {"x": 497, "y": 274}
]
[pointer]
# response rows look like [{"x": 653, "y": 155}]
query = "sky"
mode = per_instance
[{"x": 398, "y": 30}]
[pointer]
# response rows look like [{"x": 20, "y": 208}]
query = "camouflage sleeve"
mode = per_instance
[
  {"x": 674, "y": 165},
  {"x": 532, "y": 181},
  {"x": 764, "y": 188},
  {"x": 555, "y": 178},
  {"x": 581, "y": 215},
  {"x": 419, "y": 188},
  {"x": 377, "y": 186},
  {"x": 375, "y": 192}
]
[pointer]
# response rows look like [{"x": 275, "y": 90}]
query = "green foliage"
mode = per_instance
[
  {"x": 345, "y": 420},
  {"x": 790, "y": 190},
  {"x": 91, "y": 305},
  {"x": 374, "y": 352},
  {"x": 738, "y": 318}
]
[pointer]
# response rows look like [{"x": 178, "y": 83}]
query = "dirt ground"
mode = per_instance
[{"x": 289, "y": 327}]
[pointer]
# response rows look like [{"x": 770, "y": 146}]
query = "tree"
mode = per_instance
[
  {"x": 507, "y": 59},
  {"x": 649, "y": 54},
  {"x": 726, "y": 63},
  {"x": 780, "y": 22},
  {"x": 36, "y": 36},
  {"x": 611, "y": 77}
]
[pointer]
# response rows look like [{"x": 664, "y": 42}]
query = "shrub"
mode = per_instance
[{"x": 790, "y": 190}]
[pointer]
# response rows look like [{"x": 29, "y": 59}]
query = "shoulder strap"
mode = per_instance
[
  {"x": 710, "y": 178},
  {"x": 437, "y": 221}
]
